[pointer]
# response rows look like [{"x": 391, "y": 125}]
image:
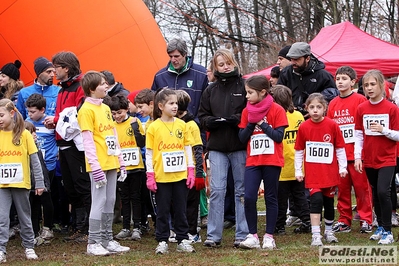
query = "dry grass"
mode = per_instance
[{"x": 292, "y": 249}]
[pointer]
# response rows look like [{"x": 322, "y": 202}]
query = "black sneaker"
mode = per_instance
[
  {"x": 303, "y": 228},
  {"x": 340, "y": 227},
  {"x": 279, "y": 230}
]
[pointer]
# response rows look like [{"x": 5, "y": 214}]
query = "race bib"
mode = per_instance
[
  {"x": 11, "y": 173},
  {"x": 348, "y": 132},
  {"x": 131, "y": 156},
  {"x": 174, "y": 161},
  {"x": 382, "y": 119},
  {"x": 112, "y": 148},
  {"x": 261, "y": 144},
  {"x": 319, "y": 152}
]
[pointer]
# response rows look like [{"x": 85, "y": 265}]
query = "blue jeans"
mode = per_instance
[{"x": 220, "y": 163}]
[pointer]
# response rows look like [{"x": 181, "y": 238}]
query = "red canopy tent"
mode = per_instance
[{"x": 345, "y": 44}]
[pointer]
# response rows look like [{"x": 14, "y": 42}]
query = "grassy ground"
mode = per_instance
[{"x": 292, "y": 249}]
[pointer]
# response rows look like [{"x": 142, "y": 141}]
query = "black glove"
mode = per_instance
[
  {"x": 215, "y": 122},
  {"x": 232, "y": 120}
]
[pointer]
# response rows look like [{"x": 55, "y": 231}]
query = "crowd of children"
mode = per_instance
[{"x": 149, "y": 147}]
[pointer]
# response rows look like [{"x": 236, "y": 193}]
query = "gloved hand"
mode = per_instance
[
  {"x": 232, "y": 120},
  {"x": 215, "y": 122},
  {"x": 151, "y": 184},
  {"x": 99, "y": 178},
  {"x": 190, "y": 177},
  {"x": 199, "y": 183},
  {"x": 122, "y": 174}
]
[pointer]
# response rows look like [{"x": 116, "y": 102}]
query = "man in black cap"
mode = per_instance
[
  {"x": 283, "y": 60},
  {"x": 43, "y": 85},
  {"x": 305, "y": 75}
]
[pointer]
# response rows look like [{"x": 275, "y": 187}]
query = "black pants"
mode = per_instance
[
  {"x": 146, "y": 202},
  {"x": 36, "y": 202},
  {"x": 130, "y": 192},
  {"x": 301, "y": 205},
  {"x": 76, "y": 179},
  {"x": 192, "y": 210},
  {"x": 380, "y": 182},
  {"x": 167, "y": 194}
]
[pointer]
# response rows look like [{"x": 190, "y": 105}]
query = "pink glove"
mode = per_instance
[
  {"x": 190, "y": 178},
  {"x": 151, "y": 184},
  {"x": 122, "y": 173}
]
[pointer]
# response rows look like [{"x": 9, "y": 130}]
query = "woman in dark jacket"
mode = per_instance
[{"x": 220, "y": 113}]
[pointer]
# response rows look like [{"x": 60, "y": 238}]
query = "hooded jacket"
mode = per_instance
[
  {"x": 192, "y": 78},
  {"x": 220, "y": 113},
  {"x": 313, "y": 79},
  {"x": 50, "y": 92}
]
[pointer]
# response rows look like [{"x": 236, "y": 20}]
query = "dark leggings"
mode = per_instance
[
  {"x": 318, "y": 200},
  {"x": 380, "y": 182},
  {"x": 36, "y": 203}
]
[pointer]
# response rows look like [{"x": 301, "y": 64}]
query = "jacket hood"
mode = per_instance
[
  {"x": 314, "y": 65},
  {"x": 70, "y": 81}
]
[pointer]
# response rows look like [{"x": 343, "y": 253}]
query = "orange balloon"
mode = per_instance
[{"x": 119, "y": 35}]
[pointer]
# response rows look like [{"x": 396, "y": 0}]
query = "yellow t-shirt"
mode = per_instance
[
  {"x": 98, "y": 120},
  {"x": 14, "y": 160},
  {"x": 294, "y": 120},
  {"x": 130, "y": 152},
  {"x": 167, "y": 141},
  {"x": 195, "y": 132}
]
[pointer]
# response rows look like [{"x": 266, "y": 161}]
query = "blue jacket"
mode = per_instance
[
  {"x": 48, "y": 92},
  {"x": 192, "y": 78}
]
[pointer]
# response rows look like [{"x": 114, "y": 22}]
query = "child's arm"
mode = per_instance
[
  {"x": 358, "y": 150},
  {"x": 298, "y": 165},
  {"x": 342, "y": 161},
  {"x": 91, "y": 155},
  {"x": 37, "y": 173},
  {"x": 277, "y": 134},
  {"x": 140, "y": 139},
  {"x": 151, "y": 184},
  {"x": 190, "y": 167},
  {"x": 389, "y": 133},
  {"x": 245, "y": 133}
]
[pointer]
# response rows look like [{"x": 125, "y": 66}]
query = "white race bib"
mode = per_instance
[
  {"x": 11, "y": 173},
  {"x": 261, "y": 144},
  {"x": 382, "y": 119},
  {"x": 348, "y": 132},
  {"x": 319, "y": 152},
  {"x": 174, "y": 161},
  {"x": 110, "y": 141},
  {"x": 131, "y": 156}
]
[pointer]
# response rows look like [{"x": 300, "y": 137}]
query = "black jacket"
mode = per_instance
[
  {"x": 220, "y": 113},
  {"x": 118, "y": 89},
  {"x": 314, "y": 79}
]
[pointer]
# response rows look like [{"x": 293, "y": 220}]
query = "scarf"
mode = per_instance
[{"x": 257, "y": 111}]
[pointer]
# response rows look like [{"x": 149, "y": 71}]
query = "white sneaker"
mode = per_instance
[
  {"x": 330, "y": 237},
  {"x": 172, "y": 237},
  {"x": 3, "y": 257},
  {"x": 31, "y": 254},
  {"x": 316, "y": 240},
  {"x": 394, "y": 220},
  {"x": 250, "y": 242},
  {"x": 268, "y": 242},
  {"x": 292, "y": 220},
  {"x": 46, "y": 233},
  {"x": 185, "y": 246},
  {"x": 97, "y": 250},
  {"x": 136, "y": 234},
  {"x": 162, "y": 248},
  {"x": 115, "y": 247},
  {"x": 123, "y": 234},
  {"x": 377, "y": 233},
  {"x": 194, "y": 238},
  {"x": 386, "y": 239}
]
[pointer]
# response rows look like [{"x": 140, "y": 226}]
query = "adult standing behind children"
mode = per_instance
[
  {"x": 43, "y": 85},
  {"x": 115, "y": 88},
  {"x": 305, "y": 75},
  {"x": 76, "y": 179},
  {"x": 220, "y": 113},
  {"x": 182, "y": 73}
]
